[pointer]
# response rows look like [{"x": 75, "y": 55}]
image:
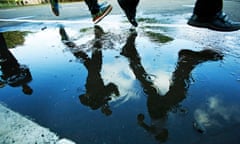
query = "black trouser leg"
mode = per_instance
[
  {"x": 207, "y": 8},
  {"x": 92, "y": 6}
]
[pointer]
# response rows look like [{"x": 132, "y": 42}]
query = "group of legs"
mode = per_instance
[{"x": 206, "y": 13}]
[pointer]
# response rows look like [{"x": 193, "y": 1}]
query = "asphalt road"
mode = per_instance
[{"x": 78, "y": 10}]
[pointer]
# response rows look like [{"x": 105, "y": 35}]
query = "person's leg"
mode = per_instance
[
  {"x": 55, "y": 7},
  {"x": 93, "y": 6},
  {"x": 208, "y": 8},
  {"x": 98, "y": 11},
  {"x": 209, "y": 14},
  {"x": 129, "y": 7}
]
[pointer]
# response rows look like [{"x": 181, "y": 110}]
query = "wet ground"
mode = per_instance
[{"x": 164, "y": 82}]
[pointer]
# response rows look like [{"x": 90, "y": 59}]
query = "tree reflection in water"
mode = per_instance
[{"x": 159, "y": 105}]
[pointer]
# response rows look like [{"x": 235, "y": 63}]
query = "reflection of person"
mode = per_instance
[
  {"x": 158, "y": 104},
  {"x": 13, "y": 73},
  {"x": 99, "y": 11},
  {"x": 209, "y": 14},
  {"x": 97, "y": 93}
]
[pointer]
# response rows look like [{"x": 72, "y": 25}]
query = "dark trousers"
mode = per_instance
[
  {"x": 92, "y": 6},
  {"x": 207, "y": 8}
]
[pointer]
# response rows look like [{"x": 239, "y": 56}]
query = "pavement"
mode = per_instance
[{"x": 18, "y": 129}]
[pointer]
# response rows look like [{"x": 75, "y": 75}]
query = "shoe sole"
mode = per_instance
[
  {"x": 209, "y": 26},
  {"x": 104, "y": 14}
]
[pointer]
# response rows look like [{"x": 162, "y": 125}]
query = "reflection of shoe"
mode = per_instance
[
  {"x": 98, "y": 31},
  {"x": 104, "y": 10},
  {"x": 55, "y": 7},
  {"x": 63, "y": 34},
  {"x": 201, "y": 56},
  {"x": 130, "y": 10},
  {"x": 65, "y": 38},
  {"x": 23, "y": 76},
  {"x": 129, "y": 49},
  {"x": 220, "y": 22}
]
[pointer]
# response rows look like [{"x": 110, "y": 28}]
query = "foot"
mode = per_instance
[
  {"x": 130, "y": 10},
  {"x": 104, "y": 10},
  {"x": 220, "y": 22},
  {"x": 55, "y": 7}
]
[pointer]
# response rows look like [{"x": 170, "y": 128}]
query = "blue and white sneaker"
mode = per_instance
[{"x": 104, "y": 10}]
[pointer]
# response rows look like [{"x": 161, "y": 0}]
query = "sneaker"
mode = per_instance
[
  {"x": 130, "y": 11},
  {"x": 104, "y": 10},
  {"x": 220, "y": 22},
  {"x": 55, "y": 7}
]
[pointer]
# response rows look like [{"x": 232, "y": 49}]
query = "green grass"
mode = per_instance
[
  {"x": 5, "y": 5},
  {"x": 158, "y": 37},
  {"x": 147, "y": 20},
  {"x": 85, "y": 29},
  {"x": 14, "y": 38}
]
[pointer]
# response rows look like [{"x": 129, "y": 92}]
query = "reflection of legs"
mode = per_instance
[
  {"x": 129, "y": 50},
  {"x": 208, "y": 14},
  {"x": 187, "y": 61},
  {"x": 5, "y": 54},
  {"x": 14, "y": 74},
  {"x": 9, "y": 63},
  {"x": 158, "y": 105}
]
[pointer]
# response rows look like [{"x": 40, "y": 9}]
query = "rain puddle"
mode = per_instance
[{"x": 96, "y": 84}]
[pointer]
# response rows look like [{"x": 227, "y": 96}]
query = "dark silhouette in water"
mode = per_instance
[
  {"x": 159, "y": 105},
  {"x": 13, "y": 73},
  {"x": 97, "y": 93}
]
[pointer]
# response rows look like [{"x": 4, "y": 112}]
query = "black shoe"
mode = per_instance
[
  {"x": 220, "y": 22},
  {"x": 129, "y": 8}
]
